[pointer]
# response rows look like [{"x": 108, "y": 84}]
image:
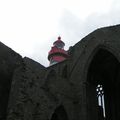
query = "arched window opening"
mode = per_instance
[
  {"x": 103, "y": 79},
  {"x": 59, "y": 114},
  {"x": 100, "y": 97}
]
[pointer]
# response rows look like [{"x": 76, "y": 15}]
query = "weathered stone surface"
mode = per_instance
[{"x": 9, "y": 60}]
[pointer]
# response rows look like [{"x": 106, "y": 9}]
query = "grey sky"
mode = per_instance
[{"x": 31, "y": 26}]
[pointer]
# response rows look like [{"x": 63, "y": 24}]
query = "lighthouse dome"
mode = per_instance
[{"x": 59, "y": 43}]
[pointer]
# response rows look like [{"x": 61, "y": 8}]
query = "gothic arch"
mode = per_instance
[
  {"x": 103, "y": 69},
  {"x": 94, "y": 52},
  {"x": 59, "y": 114}
]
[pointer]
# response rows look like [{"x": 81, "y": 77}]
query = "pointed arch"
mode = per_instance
[
  {"x": 104, "y": 69},
  {"x": 59, "y": 114}
]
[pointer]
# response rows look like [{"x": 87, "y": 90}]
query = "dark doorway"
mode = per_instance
[
  {"x": 59, "y": 114},
  {"x": 104, "y": 70}
]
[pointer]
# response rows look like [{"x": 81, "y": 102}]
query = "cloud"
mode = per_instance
[{"x": 73, "y": 28}]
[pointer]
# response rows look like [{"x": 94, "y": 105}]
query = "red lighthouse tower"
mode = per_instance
[{"x": 57, "y": 52}]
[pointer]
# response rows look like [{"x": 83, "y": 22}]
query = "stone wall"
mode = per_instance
[
  {"x": 29, "y": 91},
  {"x": 9, "y": 60}
]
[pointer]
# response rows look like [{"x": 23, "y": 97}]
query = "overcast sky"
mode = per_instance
[{"x": 31, "y": 26}]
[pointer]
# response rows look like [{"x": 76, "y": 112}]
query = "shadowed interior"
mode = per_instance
[
  {"x": 59, "y": 114},
  {"x": 104, "y": 70}
]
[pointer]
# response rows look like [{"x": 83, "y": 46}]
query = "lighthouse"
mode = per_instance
[{"x": 57, "y": 52}]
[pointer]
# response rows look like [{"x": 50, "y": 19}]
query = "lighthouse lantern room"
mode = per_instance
[{"x": 57, "y": 52}]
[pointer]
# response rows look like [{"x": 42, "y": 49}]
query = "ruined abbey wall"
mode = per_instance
[{"x": 67, "y": 90}]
